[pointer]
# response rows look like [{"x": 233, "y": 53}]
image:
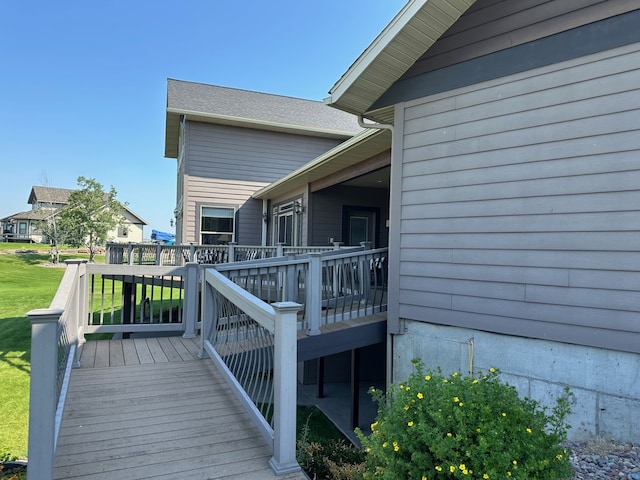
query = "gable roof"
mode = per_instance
[
  {"x": 231, "y": 106},
  {"x": 58, "y": 196},
  {"x": 49, "y": 195},
  {"x": 412, "y": 31}
]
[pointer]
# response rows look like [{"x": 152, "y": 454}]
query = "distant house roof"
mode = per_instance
[
  {"x": 49, "y": 195},
  {"x": 412, "y": 32},
  {"x": 230, "y": 106},
  {"x": 55, "y": 196},
  {"x": 28, "y": 215}
]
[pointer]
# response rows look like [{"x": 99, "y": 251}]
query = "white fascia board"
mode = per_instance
[
  {"x": 321, "y": 160},
  {"x": 372, "y": 52}
]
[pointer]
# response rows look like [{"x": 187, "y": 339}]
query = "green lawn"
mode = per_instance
[{"x": 24, "y": 285}]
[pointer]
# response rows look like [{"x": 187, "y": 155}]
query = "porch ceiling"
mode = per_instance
[
  {"x": 412, "y": 32},
  {"x": 355, "y": 150}
]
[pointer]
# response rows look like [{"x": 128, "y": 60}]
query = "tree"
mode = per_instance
[
  {"x": 49, "y": 225},
  {"x": 90, "y": 214}
]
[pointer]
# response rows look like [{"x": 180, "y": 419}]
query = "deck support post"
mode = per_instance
[
  {"x": 355, "y": 387},
  {"x": 43, "y": 392},
  {"x": 190, "y": 311},
  {"x": 283, "y": 460},
  {"x": 313, "y": 308}
]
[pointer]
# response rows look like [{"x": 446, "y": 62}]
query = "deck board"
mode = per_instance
[{"x": 148, "y": 408}]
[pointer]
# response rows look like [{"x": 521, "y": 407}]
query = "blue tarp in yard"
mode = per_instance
[{"x": 167, "y": 238}]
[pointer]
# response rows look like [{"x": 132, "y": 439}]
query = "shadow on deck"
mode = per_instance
[{"x": 150, "y": 408}]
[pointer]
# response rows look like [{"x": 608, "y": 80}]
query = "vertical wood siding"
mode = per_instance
[
  {"x": 225, "y": 165},
  {"x": 493, "y": 25},
  {"x": 521, "y": 204}
]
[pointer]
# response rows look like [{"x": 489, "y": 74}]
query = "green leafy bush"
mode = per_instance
[{"x": 436, "y": 427}]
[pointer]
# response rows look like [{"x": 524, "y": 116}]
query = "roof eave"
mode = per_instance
[
  {"x": 305, "y": 174},
  {"x": 411, "y": 32},
  {"x": 172, "y": 131}
]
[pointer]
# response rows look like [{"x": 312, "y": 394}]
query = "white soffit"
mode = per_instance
[{"x": 411, "y": 33}]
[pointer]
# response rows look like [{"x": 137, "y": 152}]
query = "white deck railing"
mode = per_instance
[
  {"x": 255, "y": 347},
  {"x": 231, "y": 309},
  {"x": 159, "y": 254},
  {"x": 54, "y": 341}
]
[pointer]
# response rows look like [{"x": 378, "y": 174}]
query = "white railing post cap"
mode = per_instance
[{"x": 44, "y": 315}]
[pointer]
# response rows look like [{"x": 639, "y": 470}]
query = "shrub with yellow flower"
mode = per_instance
[{"x": 450, "y": 429}]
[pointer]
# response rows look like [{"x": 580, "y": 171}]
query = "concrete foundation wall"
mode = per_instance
[{"x": 605, "y": 384}]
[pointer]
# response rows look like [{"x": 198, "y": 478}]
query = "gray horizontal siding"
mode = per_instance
[
  {"x": 493, "y": 25},
  {"x": 521, "y": 204},
  {"x": 218, "y": 151}
]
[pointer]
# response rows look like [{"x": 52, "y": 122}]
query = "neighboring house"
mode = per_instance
[
  {"x": 44, "y": 201},
  {"x": 515, "y": 195},
  {"x": 230, "y": 143}
]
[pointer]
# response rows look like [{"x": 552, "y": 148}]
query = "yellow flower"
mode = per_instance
[
  {"x": 385, "y": 444},
  {"x": 461, "y": 404},
  {"x": 455, "y": 374},
  {"x": 486, "y": 475},
  {"x": 424, "y": 477},
  {"x": 438, "y": 468},
  {"x": 410, "y": 424},
  {"x": 449, "y": 434},
  {"x": 452, "y": 468},
  {"x": 474, "y": 381},
  {"x": 396, "y": 447},
  {"x": 504, "y": 414},
  {"x": 559, "y": 457},
  {"x": 508, "y": 474},
  {"x": 406, "y": 407},
  {"x": 456, "y": 399},
  {"x": 420, "y": 395},
  {"x": 528, "y": 430},
  {"x": 373, "y": 426},
  {"x": 477, "y": 430},
  {"x": 427, "y": 378},
  {"x": 492, "y": 370},
  {"x": 515, "y": 462}
]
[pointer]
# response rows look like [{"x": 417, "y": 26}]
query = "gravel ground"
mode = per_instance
[{"x": 605, "y": 459}]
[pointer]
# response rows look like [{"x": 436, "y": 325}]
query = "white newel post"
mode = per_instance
[
  {"x": 284, "y": 380},
  {"x": 43, "y": 394},
  {"x": 190, "y": 312},
  {"x": 314, "y": 294}
]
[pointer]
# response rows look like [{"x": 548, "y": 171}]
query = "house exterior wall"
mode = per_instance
[
  {"x": 225, "y": 165},
  {"x": 518, "y": 206},
  {"x": 327, "y": 212},
  {"x": 492, "y": 25}
]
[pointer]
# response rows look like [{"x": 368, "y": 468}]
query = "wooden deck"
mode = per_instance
[{"x": 149, "y": 408}]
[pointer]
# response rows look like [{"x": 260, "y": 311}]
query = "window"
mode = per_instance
[
  {"x": 22, "y": 228},
  {"x": 287, "y": 224},
  {"x": 216, "y": 225},
  {"x": 123, "y": 231}
]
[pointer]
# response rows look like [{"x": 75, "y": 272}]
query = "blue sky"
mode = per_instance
[{"x": 83, "y": 83}]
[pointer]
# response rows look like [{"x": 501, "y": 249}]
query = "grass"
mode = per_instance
[{"x": 24, "y": 285}]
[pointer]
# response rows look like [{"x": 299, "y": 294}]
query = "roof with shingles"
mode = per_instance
[
  {"x": 231, "y": 106},
  {"x": 49, "y": 195}
]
